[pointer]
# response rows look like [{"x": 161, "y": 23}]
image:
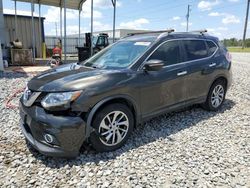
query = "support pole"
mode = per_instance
[
  {"x": 91, "y": 34},
  {"x": 79, "y": 39},
  {"x": 2, "y": 36},
  {"x": 114, "y": 16},
  {"x": 56, "y": 29},
  {"x": 33, "y": 31},
  {"x": 1, "y": 58},
  {"x": 245, "y": 27},
  {"x": 61, "y": 19},
  {"x": 15, "y": 22},
  {"x": 187, "y": 16},
  {"x": 40, "y": 30},
  {"x": 65, "y": 33}
]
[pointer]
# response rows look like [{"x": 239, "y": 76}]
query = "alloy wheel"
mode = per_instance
[
  {"x": 113, "y": 128},
  {"x": 217, "y": 96}
]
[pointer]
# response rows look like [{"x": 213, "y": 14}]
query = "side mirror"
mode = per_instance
[{"x": 153, "y": 65}]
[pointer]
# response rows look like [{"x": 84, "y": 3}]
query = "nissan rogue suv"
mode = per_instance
[{"x": 101, "y": 101}]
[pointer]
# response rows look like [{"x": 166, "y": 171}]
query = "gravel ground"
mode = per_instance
[{"x": 190, "y": 148}]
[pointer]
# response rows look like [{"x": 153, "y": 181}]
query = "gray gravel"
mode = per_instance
[{"x": 190, "y": 148}]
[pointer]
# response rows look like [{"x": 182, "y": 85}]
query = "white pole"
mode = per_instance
[
  {"x": 61, "y": 33},
  {"x": 33, "y": 31},
  {"x": 40, "y": 30},
  {"x": 65, "y": 33},
  {"x": 56, "y": 28},
  {"x": 91, "y": 35},
  {"x": 114, "y": 16},
  {"x": 79, "y": 28},
  {"x": 15, "y": 22}
]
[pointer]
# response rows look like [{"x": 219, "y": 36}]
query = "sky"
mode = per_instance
[{"x": 223, "y": 18}]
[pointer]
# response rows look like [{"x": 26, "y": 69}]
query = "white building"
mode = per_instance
[{"x": 119, "y": 33}]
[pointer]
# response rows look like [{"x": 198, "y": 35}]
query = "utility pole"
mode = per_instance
[
  {"x": 187, "y": 16},
  {"x": 245, "y": 28}
]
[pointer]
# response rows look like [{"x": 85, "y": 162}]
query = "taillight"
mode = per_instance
[{"x": 229, "y": 57}]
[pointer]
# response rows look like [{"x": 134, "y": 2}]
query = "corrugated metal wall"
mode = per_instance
[{"x": 24, "y": 31}]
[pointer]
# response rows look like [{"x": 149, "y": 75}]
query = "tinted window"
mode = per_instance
[
  {"x": 168, "y": 52},
  {"x": 195, "y": 49},
  {"x": 211, "y": 48}
]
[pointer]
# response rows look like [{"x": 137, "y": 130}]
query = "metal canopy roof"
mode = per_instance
[{"x": 71, "y": 4}]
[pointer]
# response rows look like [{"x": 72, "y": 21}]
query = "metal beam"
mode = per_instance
[
  {"x": 71, "y": 4},
  {"x": 15, "y": 21},
  {"x": 65, "y": 32},
  {"x": 79, "y": 27},
  {"x": 39, "y": 25},
  {"x": 1, "y": 58},
  {"x": 61, "y": 19},
  {"x": 33, "y": 31},
  {"x": 91, "y": 35},
  {"x": 80, "y": 10},
  {"x": 114, "y": 16}
]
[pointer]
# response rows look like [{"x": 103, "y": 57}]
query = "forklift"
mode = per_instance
[{"x": 85, "y": 51}]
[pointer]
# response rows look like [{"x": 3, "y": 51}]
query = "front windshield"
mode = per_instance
[{"x": 118, "y": 56}]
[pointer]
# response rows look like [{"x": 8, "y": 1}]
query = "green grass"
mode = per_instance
[{"x": 238, "y": 49}]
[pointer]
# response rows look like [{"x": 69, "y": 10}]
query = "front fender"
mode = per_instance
[{"x": 102, "y": 102}]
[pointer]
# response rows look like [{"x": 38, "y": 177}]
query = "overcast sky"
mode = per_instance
[{"x": 223, "y": 18}]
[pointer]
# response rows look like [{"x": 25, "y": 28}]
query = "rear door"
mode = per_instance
[
  {"x": 166, "y": 87},
  {"x": 200, "y": 66}
]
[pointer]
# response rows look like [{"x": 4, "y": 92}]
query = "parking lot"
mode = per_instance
[{"x": 189, "y": 148}]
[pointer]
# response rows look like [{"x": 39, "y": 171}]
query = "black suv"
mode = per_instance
[{"x": 101, "y": 101}]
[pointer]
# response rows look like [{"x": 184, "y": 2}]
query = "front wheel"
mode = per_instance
[
  {"x": 113, "y": 125},
  {"x": 216, "y": 96}
]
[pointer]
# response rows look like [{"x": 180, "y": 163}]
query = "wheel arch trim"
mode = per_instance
[{"x": 216, "y": 78}]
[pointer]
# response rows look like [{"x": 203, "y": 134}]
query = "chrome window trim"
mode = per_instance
[{"x": 184, "y": 62}]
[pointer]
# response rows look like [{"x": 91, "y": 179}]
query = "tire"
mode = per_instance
[
  {"x": 214, "y": 102},
  {"x": 103, "y": 139}
]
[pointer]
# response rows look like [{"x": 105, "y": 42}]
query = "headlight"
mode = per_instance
[{"x": 60, "y": 99}]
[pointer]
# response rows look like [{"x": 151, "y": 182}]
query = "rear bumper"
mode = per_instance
[{"x": 68, "y": 132}]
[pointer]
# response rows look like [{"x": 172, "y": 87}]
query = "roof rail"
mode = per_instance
[
  {"x": 151, "y": 32},
  {"x": 199, "y": 31}
]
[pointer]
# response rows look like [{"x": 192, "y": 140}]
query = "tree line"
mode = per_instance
[{"x": 235, "y": 42}]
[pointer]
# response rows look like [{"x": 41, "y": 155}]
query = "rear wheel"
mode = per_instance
[
  {"x": 113, "y": 125},
  {"x": 216, "y": 96}
]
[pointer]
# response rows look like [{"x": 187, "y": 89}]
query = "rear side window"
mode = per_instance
[
  {"x": 195, "y": 49},
  {"x": 211, "y": 48},
  {"x": 168, "y": 52}
]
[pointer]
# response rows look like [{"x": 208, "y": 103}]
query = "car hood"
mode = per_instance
[{"x": 69, "y": 77}]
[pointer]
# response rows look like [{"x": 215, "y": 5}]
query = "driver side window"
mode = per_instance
[{"x": 169, "y": 53}]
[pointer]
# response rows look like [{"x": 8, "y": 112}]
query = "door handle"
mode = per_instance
[
  {"x": 212, "y": 65},
  {"x": 181, "y": 73}
]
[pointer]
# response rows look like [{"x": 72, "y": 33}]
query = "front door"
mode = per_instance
[{"x": 166, "y": 87}]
